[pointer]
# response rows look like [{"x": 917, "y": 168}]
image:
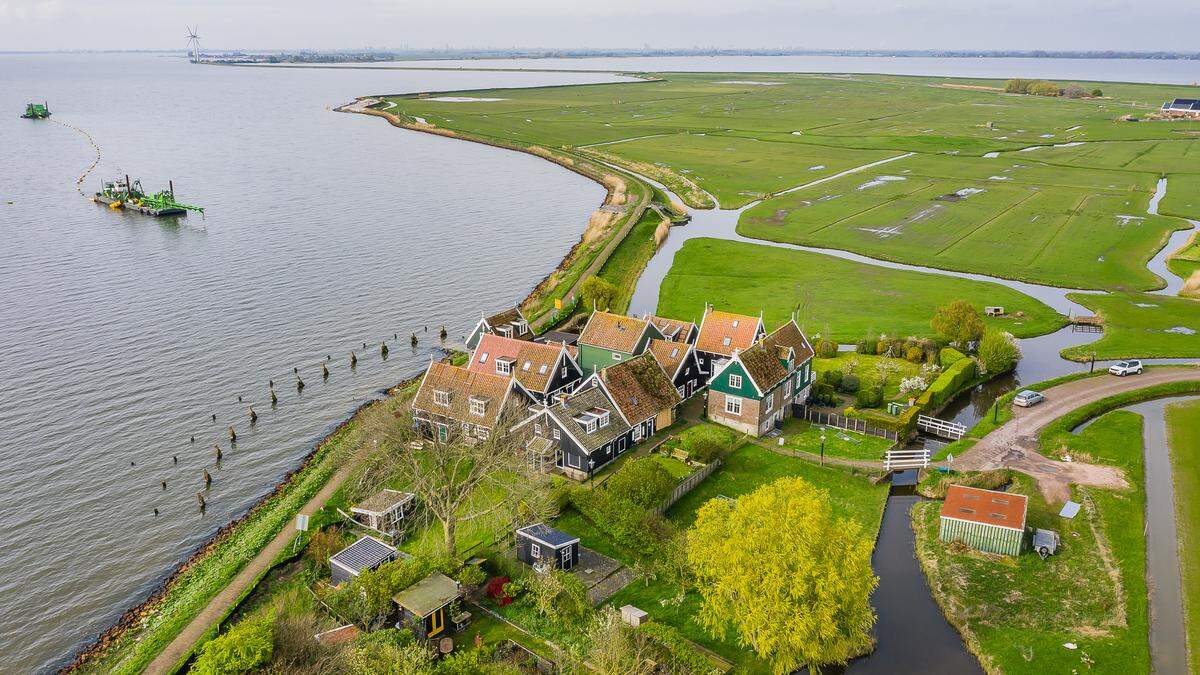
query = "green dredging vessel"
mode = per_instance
[
  {"x": 36, "y": 111},
  {"x": 124, "y": 194}
]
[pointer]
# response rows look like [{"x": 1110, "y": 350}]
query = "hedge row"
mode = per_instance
[
  {"x": 683, "y": 653},
  {"x": 956, "y": 376}
]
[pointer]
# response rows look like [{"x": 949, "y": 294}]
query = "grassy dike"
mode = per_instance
[
  {"x": 143, "y": 631},
  {"x": 1183, "y": 429}
]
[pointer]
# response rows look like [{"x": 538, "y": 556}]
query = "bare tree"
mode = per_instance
[
  {"x": 617, "y": 649},
  {"x": 463, "y": 480}
]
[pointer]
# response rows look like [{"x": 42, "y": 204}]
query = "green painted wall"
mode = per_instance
[
  {"x": 599, "y": 357},
  {"x": 721, "y": 382},
  {"x": 1001, "y": 540}
]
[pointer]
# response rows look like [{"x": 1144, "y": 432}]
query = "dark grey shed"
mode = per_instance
[
  {"x": 541, "y": 543},
  {"x": 365, "y": 554}
]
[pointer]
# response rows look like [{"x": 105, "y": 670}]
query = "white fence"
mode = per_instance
[
  {"x": 940, "y": 427},
  {"x": 906, "y": 459},
  {"x": 842, "y": 422}
]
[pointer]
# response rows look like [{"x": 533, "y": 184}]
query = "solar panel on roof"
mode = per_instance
[{"x": 366, "y": 553}]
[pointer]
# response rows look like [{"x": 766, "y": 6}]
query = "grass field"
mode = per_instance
[
  {"x": 838, "y": 298},
  {"x": 1141, "y": 325},
  {"x": 1047, "y": 214},
  {"x": 867, "y": 368},
  {"x": 1018, "y": 613},
  {"x": 743, "y": 471},
  {"x": 1183, "y": 428},
  {"x": 806, "y": 437}
]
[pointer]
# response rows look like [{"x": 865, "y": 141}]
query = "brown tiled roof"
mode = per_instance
[
  {"x": 506, "y": 317},
  {"x": 1002, "y": 509},
  {"x": 717, "y": 326},
  {"x": 533, "y": 364},
  {"x": 640, "y": 388},
  {"x": 613, "y": 331},
  {"x": 673, "y": 329},
  {"x": 765, "y": 360},
  {"x": 669, "y": 354},
  {"x": 463, "y": 385},
  {"x": 591, "y": 398}
]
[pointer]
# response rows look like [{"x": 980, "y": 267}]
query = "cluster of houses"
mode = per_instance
[
  {"x": 1182, "y": 107},
  {"x": 581, "y": 400}
]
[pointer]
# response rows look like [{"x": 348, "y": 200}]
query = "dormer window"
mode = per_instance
[
  {"x": 521, "y": 326},
  {"x": 478, "y": 406},
  {"x": 506, "y": 331},
  {"x": 542, "y": 369},
  {"x": 674, "y": 352},
  {"x": 503, "y": 366},
  {"x": 441, "y": 398}
]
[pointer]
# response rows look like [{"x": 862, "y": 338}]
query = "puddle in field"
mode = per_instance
[
  {"x": 880, "y": 180},
  {"x": 1180, "y": 330}
]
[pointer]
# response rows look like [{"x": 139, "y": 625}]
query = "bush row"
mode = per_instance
[
  {"x": 682, "y": 652},
  {"x": 635, "y": 528}
]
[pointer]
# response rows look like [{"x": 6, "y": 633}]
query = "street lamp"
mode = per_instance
[{"x": 822, "y": 449}]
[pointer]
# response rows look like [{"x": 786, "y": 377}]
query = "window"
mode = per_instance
[
  {"x": 735, "y": 381},
  {"x": 557, "y": 434},
  {"x": 506, "y": 331},
  {"x": 680, "y": 389},
  {"x": 616, "y": 356},
  {"x": 590, "y": 425},
  {"x": 537, "y": 428},
  {"x": 535, "y": 551},
  {"x": 441, "y": 398},
  {"x": 604, "y": 419},
  {"x": 637, "y": 433},
  {"x": 733, "y": 405},
  {"x": 542, "y": 369},
  {"x": 483, "y": 357},
  {"x": 787, "y": 388},
  {"x": 478, "y": 406},
  {"x": 482, "y": 432},
  {"x": 725, "y": 342},
  {"x": 503, "y": 367},
  {"x": 521, "y": 327},
  {"x": 466, "y": 427},
  {"x": 564, "y": 371},
  {"x": 735, "y": 323},
  {"x": 770, "y": 400},
  {"x": 527, "y": 366}
]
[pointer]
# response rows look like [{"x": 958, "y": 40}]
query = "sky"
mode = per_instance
[{"x": 1123, "y": 25}]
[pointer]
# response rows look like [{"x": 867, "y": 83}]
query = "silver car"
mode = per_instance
[{"x": 1028, "y": 398}]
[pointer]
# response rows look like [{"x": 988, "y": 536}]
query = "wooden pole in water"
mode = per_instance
[
  {"x": 218, "y": 449},
  {"x": 324, "y": 372},
  {"x": 207, "y": 479},
  {"x": 299, "y": 384},
  {"x": 232, "y": 435},
  {"x": 414, "y": 340},
  {"x": 383, "y": 350},
  {"x": 253, "y": 415},
  {"x": 353, "y": 359},
  {"x": 200, "y": 498},
  {"x": 443, "y": 334},
  {"x": 274, "y": 398}
]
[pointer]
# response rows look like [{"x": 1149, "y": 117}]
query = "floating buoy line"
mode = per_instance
[
  {"x": 252, "y": 417},
  {"x": 83, "y": 176}
]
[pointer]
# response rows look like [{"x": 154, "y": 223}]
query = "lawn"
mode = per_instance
[
  {"x": 1137, "y": 325},
  {"x": 1183, "y": 428},
  {"x": 868, "y": 368},
  {"x": 743, "y": 471},
  {"x": 837, "y": 298},
  {"x": 1048, "y": 214},
  {"x": 806, "y": 437},
  {"x": 1017, "y": 614}
]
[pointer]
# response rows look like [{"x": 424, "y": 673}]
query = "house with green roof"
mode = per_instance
[{"x": 754, "y": 389}]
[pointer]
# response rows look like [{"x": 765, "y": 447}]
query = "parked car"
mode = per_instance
[
  {"x": 1123, "y": 368},
  {"x": 1029, "y": 398}
]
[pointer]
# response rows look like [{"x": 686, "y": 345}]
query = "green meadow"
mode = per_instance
[
  {"x": 836, "y": 298},
  {"x": 1140, "y": 325},
  {"x": 1071, "y": 211}
]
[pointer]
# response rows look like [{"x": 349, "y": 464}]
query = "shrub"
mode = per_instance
[
  {"x": 1017, "y": 86},
  {"x": 244, "y": 647},
  {"x": 1097, "y": 93},
  {"x": 705, "y": 450},
  {"x": 950, "y": 382},
  {"x": 386, "y": 652},
  {"x": 833, "y": 378},
  {"x": 643, "y": 481},
  {"x": 557, "y": 596},
  {"x": 823, "y": 394},
  {"x": 881, "y": 347},
  {"x": 1074, "y": 91},
  {"x": 950, "y": 355},
  {"x": 911, "y": 386},
  {"x": 849, "y": 384},
  {"x": 597, "y": 292},
  {"x": 827, "y": 349},
  {"x": 630, "y": 525},
  {"x": 998, "y": 352},
  {"x": 869, "y": 347},
  {"x": 1044, "y": 88},
  {"x": 869, "y": 397},
  {"x": 915, "y": 354}
]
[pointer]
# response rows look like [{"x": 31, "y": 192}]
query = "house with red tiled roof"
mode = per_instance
[
  {"x": 609, "y": 339},
  {"x": 508, "y": 323},
  {"x": 679, "y": 362},
  {"x": 453, "y": 401},
  {"x": 540, "y": 369},
  {"x": 642, "y": 391},
  {"x": 754, "y": 389},
  {"x": 723, "y": 333}
]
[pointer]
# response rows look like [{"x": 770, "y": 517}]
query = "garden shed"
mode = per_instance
[
  {"x": 384, "y": 510},
  {"x": 541, "y": 543},
  {"x": 365, "y": 554},
  {"x": 425, "y": 606},
  {"x": 986, "y": 520}
]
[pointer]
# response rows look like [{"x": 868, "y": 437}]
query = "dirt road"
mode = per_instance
[{"x": 1014, "y": 445}]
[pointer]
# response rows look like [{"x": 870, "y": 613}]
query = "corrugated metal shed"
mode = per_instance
[{"x": 986, "y": 520}]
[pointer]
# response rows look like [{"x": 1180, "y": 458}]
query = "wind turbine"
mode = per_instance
[{"x": 194, "y": 44}]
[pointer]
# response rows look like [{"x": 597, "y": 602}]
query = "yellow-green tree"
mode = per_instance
[
  {"x": 959, "y": 322},
  {"x": 789, "y": 578}
]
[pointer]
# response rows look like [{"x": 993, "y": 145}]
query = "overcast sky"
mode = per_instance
[{"x": 817, "y": 24}]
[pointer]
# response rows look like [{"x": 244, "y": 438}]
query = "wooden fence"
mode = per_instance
[
  {"x": 686, "y": 486},
  {"x": 843, "y": 422}
]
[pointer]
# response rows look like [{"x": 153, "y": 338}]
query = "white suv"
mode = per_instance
[{"x": 1123, "y": 368}]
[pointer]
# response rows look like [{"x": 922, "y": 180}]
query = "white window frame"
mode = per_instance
[
  {"x": 441, "y": 398},
  {"x": 482, "y": 433},
  {"x": 637, "y": 433},
  {"x": 770, "y": 401},
  {"x": 503, "y": 367},
  {"x": 735, "y": 381},
  {"x": 535, "y": 551},
  {"x": 557, "y": 434},
  {"x": 478, "y": 407},
  {"x": 733, "y": 405},
  {"x": 616, "y": 356}
]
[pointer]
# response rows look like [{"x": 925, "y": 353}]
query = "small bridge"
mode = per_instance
[
  {"x": 906, "y": 459},
  {"x": 940, "y": 427}
]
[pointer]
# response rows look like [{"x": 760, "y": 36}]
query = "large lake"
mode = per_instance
[{"x": 121, "y": 335}]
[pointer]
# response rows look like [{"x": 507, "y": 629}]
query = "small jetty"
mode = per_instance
[
  {"x": 1087, "y": 324},
  {"x": 36, "y": 111},
  {"x": 126, "y": 194}
]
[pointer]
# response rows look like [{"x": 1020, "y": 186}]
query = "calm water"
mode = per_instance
[
  {"x": 1110, "y": 70},
  {"x": 122, "y": 334}
]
